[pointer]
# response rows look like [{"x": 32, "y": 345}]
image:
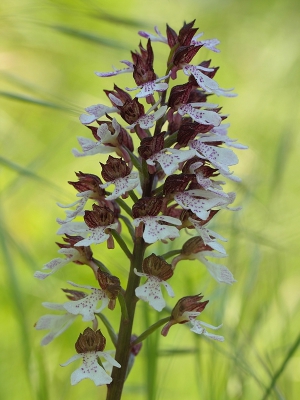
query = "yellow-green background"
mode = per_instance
[{"x": 49, "y": 52}]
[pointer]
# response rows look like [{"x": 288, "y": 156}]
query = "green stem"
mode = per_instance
[
  {"x": 121, "y": 243},
  {"x": 124, "y": 338},
  {"x": 171, "y": 253},
  {"x": 115, "y": 388},
  {"x": 98, "y": 264},
  {"x": 123, "y": 306},
  {"x": 133, "y": 196},
  {"x": 135, "y": 160},
  {"x": 171, "y": 140},
  {"x": 150, "y": 330},
  {"x": 110, "y": 329},
  {"x": 124, "y": 206},
  {"x": 128, "y": 225}
]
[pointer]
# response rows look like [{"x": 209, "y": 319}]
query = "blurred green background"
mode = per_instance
[{"x": 49, "y": 52}]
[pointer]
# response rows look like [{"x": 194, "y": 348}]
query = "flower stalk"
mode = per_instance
[{"x": 115, "y": 388}]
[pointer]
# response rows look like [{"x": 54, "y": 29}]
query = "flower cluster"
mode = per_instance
[{"x": 168, "y": 153}]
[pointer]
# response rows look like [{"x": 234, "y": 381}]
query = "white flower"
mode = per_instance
[
  {"x": 95, "y": 111},
  {"x": 147, "y": 120},
  {"x": 219, "y": 157},
  {"x": 96, "y": 235},
  {"x": 122, "y": 185},
  {"x": 117, "y": 71},
  {"x": 208, "y": 43},
  {"x": 87, "y": 307},
  {"x": 199, "y": 206},
  {"x": 106, "y": 144},
  {"x": 219, "y": 272},
  {"x": 90, "y": 368},
  {"x": 155, "y": 231},
  {"x": 151, "y": 291},
  {"x": 148, "y": 88},
  {"x": 170, "y": 162},
  {"x": 207, "y": 183},
  {"x": 71, "y": 214},
  {"x": 153, "y": 38},
  {"x": 205, "y": 117},
  {"x": 198, "y": 327},
  {"x": 209, "y": 236},
  {"x": 57, "y": 324},
  {"x": 206, "y": 83},
  {"x": 220, "y": 134},
  {"x": 57, "y": 263}
]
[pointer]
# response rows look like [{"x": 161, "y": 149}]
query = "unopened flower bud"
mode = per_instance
[
  {"x": 90, "y": 341},
  {"x": 85, "y": 252},
  {"x": 147, "y": 206},
  {"x": 143, "y": 65},
  {"x": 176, "y": 183},
  {"x": 179, "y": 95},
  {"x": 89, "y": 182},
  {"x": 186, "y": 308},
  {"x": 114, "y": 168},
  {"x": 194, "y": 245},
  {"x": 151, "y": 145},
  {"x": 110, "y": 285},
  {"x": 157, "y": 266},
  {"x": 100, "y": 216}
]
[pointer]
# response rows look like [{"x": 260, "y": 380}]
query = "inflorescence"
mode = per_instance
[{"x": 168, "y": 153}]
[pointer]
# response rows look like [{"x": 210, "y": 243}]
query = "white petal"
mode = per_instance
[
  {"x": 148, "y": 120},
  {"x": 57, "y": 324},
  {"x": 154, "y": 231},
  {"x": 96, "y": 111},
  {"x": 200, "y": 207},
  {"x": 203, "y": 80},
  {"x": 170, "y": 220},
  {"x": 108, "y": 358},
  {"x": 202, "y": 116},
  {"x": 219, "y": 272},
  {"x": 210, "y": 326},
  {"x": 70, "y": 360},
  {"x": 151, "y": 293},
  {"x": 105, "y": 134},
  {"x": 53, "y": 306},
  {"x": 117, "y": 71},
  {"x": 140, "y": 273},
  {"x": 90, "y": 369},
  {"x": 72, "y": 228},
  {"x": 57, "y": 263},
  {"x": 122, "y": 185},
  {"x": 87, "y": 307},
  {"x": 87, "y": 119},
  {"x": 218, "y": 156},
  {"x": 96, "y": 235},
  {"x": 197, "y": 328},
  {"x": 146, "y": 89},
  {"x": 153, "y": 38},
  {"x": 161, "y": 87},
  {"x": 91, "y": 148},
  {"x": 169, "y": 289},
  {"x": 170, "y": 162},
  {"x": 208, "y": 235}
]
